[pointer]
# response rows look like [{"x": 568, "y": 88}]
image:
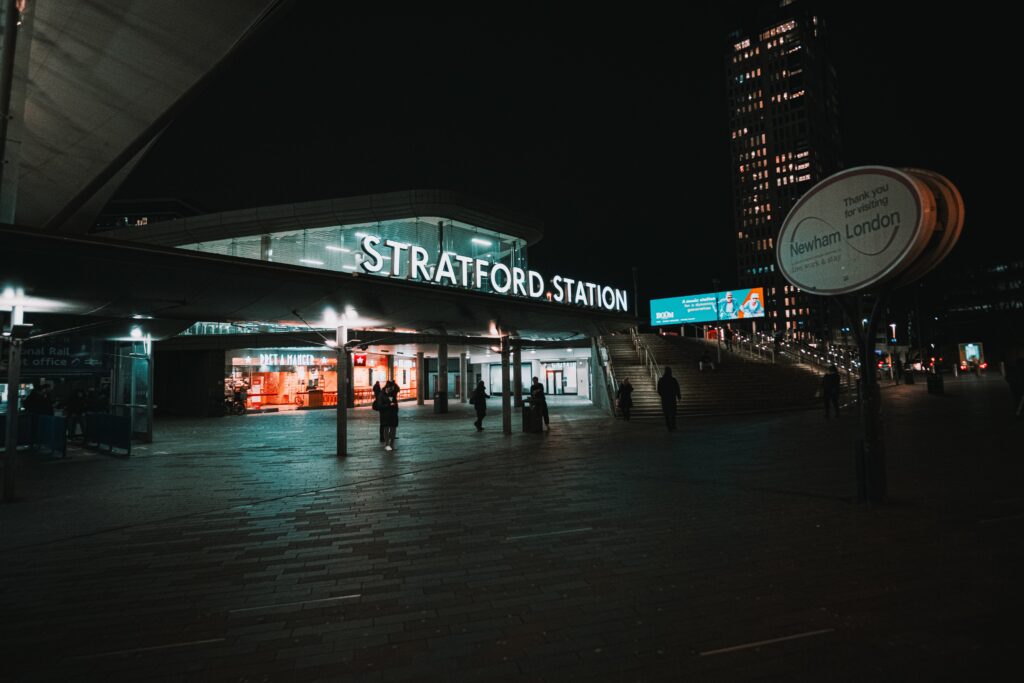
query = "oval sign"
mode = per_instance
[
  {"x": 854, "y": 229},
  {"x": 949, "y": 223}
]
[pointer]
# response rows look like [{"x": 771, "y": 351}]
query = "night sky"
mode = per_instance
[{"x": 610, "y": 129}]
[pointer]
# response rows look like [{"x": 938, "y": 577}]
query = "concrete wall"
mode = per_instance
[{"x": 189, "y": 383}]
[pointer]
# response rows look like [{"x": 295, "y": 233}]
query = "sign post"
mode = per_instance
[
  {"x": 11, "y": 433},
  {"x": 863, "y": 232},
  {"x": 341, "y": 410},
  {"x": 15, "y": 336}
]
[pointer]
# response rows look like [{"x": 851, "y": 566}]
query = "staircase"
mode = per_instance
[
  {"x": 626, "y": 362},
  {"x": 740, "y": 384}
]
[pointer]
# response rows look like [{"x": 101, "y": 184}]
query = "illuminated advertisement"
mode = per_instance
[{"x": 734, "y": 304}]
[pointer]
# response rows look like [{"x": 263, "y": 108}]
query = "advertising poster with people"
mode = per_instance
[{"x": 734, "y": 304}]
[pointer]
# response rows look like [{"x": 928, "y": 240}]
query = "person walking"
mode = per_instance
[
  {"x": 377, "y": 391},
  {"x": 479, "y": 401},
  {"x": 538, "y": 401},
  {"x": 830, "y": 390},
  {"x": 729, "y": 334},
  {"x": 625, "y": 397},
  {"x": 668, "y": 389},
  {"x": 389, "y": 413}
]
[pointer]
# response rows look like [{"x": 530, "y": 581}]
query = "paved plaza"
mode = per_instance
[{"x": 242, "y": 549}]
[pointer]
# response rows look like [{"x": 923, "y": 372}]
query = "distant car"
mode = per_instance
[{"x": 973, "y": 367}]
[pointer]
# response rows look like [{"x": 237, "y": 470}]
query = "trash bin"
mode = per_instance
[
  {"x": 935, "y": 385},
  {"x": 316, "y": 398},
  {"x": 532, "y": 420}
]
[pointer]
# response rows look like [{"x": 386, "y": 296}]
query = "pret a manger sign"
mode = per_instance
[{"x": 400, "y": 259}]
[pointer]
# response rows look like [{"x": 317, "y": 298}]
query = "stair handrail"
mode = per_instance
[
  {"x": 646, "y": 356},
  {"x": 611, "y": 382},
  {"x": 801, "y": 353}
]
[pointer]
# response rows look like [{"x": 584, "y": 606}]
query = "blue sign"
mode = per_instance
[
  {"x": 734, "y": 304},
  {"x": 62, "y": 356}
]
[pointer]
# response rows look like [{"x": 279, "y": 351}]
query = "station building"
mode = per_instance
[{"x": 426, "y": 286}]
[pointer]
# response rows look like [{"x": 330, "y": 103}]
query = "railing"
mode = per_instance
[
  {"x": 743, "y": 345},
  {"x": 609, "y": 373},
  {"x": 647, "y": 358},
  {"x": 799, "y": 352},
  {"x": 764, "y": 346}
]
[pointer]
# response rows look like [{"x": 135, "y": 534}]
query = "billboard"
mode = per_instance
[{"x": 733, "y": 304}]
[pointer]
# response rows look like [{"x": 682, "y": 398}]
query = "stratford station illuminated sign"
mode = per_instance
[{"x": 411, "y": 262}]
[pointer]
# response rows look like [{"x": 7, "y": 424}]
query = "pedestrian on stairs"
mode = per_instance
[
  {"x": 729, "y": 334},
  {"x": 625, "y": 397},
  {"x": 668, "y": 389}
]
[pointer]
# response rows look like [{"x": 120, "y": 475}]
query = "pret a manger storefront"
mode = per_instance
[{"x": 291, "y": 378}]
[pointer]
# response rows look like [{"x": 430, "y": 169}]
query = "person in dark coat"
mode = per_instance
[
  {"x": 668, "y": 389},
  {"x": 538, "y": 400},
  {"x": 74, "y": 410},
  {"x": 830, "y": 390},
  {"x": 38, "y": 401},
  {"x": 479, "y": 402},
  {"x": 377, "y": 391},
  {"x": 389, "y": 413},
  {"x": 625, "y": 397}
]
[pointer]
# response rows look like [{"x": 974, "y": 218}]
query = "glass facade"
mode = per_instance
[{"x": 337, "y": 248}]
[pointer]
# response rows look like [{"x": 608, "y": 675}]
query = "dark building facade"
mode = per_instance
[
  {"x": 982, "y": 303},
  {"x": 125, "y": 213},
  {"x": 783, "y": 115}
]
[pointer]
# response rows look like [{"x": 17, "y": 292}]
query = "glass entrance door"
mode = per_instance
[
  {"x": 553, "y": 382},
  {"x": 131, "y": 393}
]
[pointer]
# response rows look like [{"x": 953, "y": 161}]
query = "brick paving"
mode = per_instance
[{"x": 240, "y": 549}]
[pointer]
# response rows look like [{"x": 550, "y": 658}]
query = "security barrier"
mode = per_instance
[
  {"x": 109, "y": 432},
  {"x": 25, "y": 431},
  {"x": 45, "y": 431},
  {"x": 50, "y": 432}
]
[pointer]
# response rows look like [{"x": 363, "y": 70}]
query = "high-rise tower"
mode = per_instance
[{"x": 783, "y": 116}]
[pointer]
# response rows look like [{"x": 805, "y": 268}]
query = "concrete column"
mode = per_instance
[
  {"x": 150, "y": 390},
  {"x": 341, "y": 410},
  {"x": 441, "y": 400},
  {"x": 517, "y": 375},
  {"x": 350, "y": 391},
  {"x": 11, "y": 445},
  {"x": 421, "y": 378},
  {"x": 463, "y": 378},
  {"x": 506, "y": 390}
]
